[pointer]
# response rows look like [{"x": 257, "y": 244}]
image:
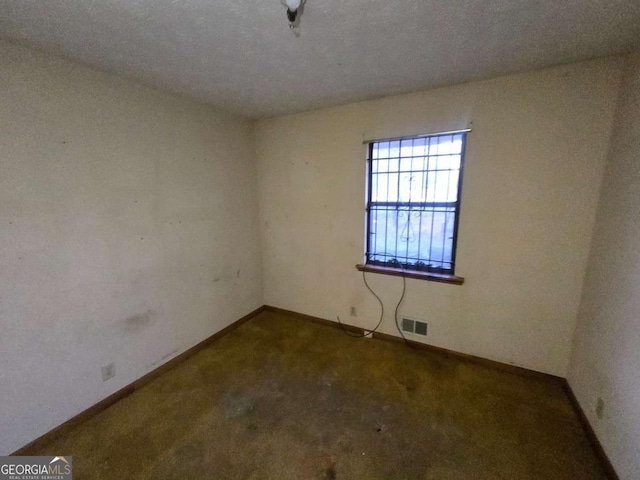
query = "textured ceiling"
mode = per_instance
[{"x": 241, "y": 55}]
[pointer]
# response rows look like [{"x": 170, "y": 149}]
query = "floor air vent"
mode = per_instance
[{"x": 410, "y": 325}]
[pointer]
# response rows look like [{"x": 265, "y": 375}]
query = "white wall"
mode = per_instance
[
  {"x": 128, "y": 233},
  {"x": 533, "y": 170},
  {"x": 606, "y": 356}
]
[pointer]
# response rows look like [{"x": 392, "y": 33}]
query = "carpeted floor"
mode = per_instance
[{"x": 283, "y": 398}]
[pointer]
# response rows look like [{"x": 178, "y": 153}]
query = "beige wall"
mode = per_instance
[
  {"x": 129, "y": 230},
  {"x": 128, "y": 233},
  {"x": 606, "y": 356},
  {"x": 533, "y": 171}
]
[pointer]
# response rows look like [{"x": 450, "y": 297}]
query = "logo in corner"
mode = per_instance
[{"x": 36, "y": 468}]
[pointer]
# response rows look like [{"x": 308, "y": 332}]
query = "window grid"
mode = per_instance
[{"x": 409, "y": 226}]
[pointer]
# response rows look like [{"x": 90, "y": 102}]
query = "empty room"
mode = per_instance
[{"x": 320, "y": 239}]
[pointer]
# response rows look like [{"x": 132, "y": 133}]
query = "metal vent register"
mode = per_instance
[{"x": 417, "y": 327}]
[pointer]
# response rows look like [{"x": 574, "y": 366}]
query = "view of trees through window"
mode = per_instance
[{"x": 413, "y": 202}]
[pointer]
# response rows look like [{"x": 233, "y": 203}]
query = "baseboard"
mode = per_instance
[
  {"x": 591, "y": 434},
  {"x": 311, "y": 318},
  {"x": 132, "y": 387},
  {"x": 129, "y": 389},
  {"x": 505, "y": 367}
]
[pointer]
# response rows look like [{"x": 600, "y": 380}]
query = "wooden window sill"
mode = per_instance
[{"x": 399, "y": 272}]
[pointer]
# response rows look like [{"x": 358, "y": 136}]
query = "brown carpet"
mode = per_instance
[{"x": 282, "y": 398}]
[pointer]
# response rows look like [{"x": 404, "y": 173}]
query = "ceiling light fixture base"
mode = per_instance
[{"x": 294, "y": 10}]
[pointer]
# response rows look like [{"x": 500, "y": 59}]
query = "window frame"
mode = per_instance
[{"x": 404, "y": 269}]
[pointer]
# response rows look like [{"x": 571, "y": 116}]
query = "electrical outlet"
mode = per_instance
[
  {"x": 352, "y": 311},
  {"x": 599, "y": 408},
  {"x": 108, "y": 371}
]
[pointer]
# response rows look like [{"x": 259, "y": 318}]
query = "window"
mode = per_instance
[{"x": 413, "y": 202}]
